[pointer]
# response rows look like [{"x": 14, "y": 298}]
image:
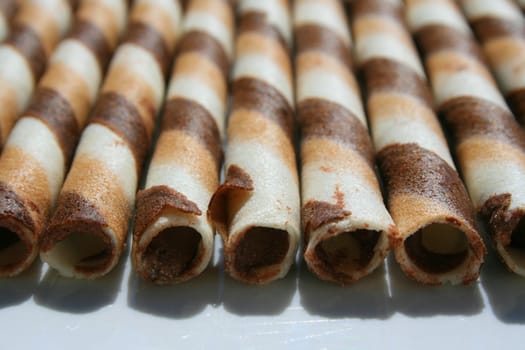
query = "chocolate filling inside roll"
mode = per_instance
[
  {"x": 517, "y": 239},
  {"x": 171, "y": 253},
  {"x": 516, "y": 247},
  {"x": 348, "y": 251},
  {"x": 261, "y": 247},
  {"x": 83, "y": 251},
  {"x": 437, "y": 248},
  {"x": 13, "y": 250}
]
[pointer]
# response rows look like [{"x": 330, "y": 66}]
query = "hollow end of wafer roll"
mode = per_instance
[
  {"x": 82, "y": 250},
  {"x": 507, "y": 230},
  {"x": 167, "y": 253},
  {"x": 172, "y": 239},
  {"x": 441, "y": 251},
  {"x": 171, "y": 255},
  {"x": 19, "y": 231},
  {"x": 259, "y": 255},
  {"x": 345, "y": 256},
  {"x": 18, "y": 247}
]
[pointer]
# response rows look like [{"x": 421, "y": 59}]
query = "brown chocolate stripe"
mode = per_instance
[
  {"x": 499, "y": 219},
  {"x": 386, "y": 75},
  {"x": 93, "y": 38},
  {"x": 74, "y": 4},
  {"x": 516, "y": 101},
  {"x": 206, "y": 45},
  {"x": 436, "y": 37},
  {"x": 314, "y": 214},
  {"x": 152, "y": 201},
  {"x": 24, "y": 39},
  {"x": 237, "y": 181},
  {"x": 316, "y": 37},
  {"x": 74, "y": 213},
  {"x": 55, "y": 111},
  {"x": 13, "y": 207},
  {"x": 192, "y": 118},
  {"x": 322, "y": 118},
  {"x": 9, "y": 7},
  {"x": 256, "y": 21},
  {"x": 487, "y": 28},
  {"x": 255, "y": 94},
  {"x": 470, "y": 116},
  {"x": 376, "y": 8},
  {"x": 413, "y": 170},
  {"x": 149, "y": 38},
  {"x": 118, "y": 114}
]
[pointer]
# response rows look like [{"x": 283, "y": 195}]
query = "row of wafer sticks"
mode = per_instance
[{"x": 79, "y": 222}]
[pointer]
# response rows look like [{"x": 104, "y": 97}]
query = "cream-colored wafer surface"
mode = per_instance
[
  {"x": 256, "y": 209},
  {"x": 489, "y": 143},
  {"x": 87, "y": 232},
  {"x": 173, "y": 238},
  {"x": 500, "y": 27},
  {"x": 438, "y": 241},
  {"x": 347, "y": 227},
  {"x": 32, "y": 169},
  {"x": 35, "y": 30}
]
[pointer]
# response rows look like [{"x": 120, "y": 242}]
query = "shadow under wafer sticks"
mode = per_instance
[
  {"x": 18, "y": 289},
  {"x": 505, "y": 291},
  {"x": 74, "y": 296},
  {"x": 347, "y": 227},
  {"x": 270, "y": 299},
  {"x": 489, "y": 143},
  {"x": 178, "y": 301},
  {"x": 500, "y": 27},
  {"x": 416, "y": 300},
  {"x": 88, "y": 229},
  {"x": 32, "y": 169},
  {"x": 438, "y": 241},
  {"x": 256, "y": 209},
  {"x": 366, "y": 299},
  {"x": 8, "y": 9},
  {"x": 173, "y": 238}
]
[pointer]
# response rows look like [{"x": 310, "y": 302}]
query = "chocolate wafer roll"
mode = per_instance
[
  {"x": 36, "y": 29},
  {"x": 346, "y": 224},
  {"x": 87, "y": 232},
  {"x": 8, "y": 9},
  {"x": 438, "y": 241},
  {"x": 500, "y": 27},
  {"x": 256, "y": 209},
  {"x": 173, "y": 239},
  {"x": 32, "y": 169},
  {"x": 489, "y": 143}
]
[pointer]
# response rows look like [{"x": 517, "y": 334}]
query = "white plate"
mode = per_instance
[{"x": 41, "y": 310}]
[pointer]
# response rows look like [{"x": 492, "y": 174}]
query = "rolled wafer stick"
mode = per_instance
[
  {"x": 500, "y": 27},
  {"x": 256, "y": 210},
  {"x": 8, "y": 8},
  {"x": 32, "y": 169},
  {"x": 438, "y": 241},
  {"x": 88, "y": 229},
  {"x": 489, "y": 143},
  {"x": 347, "y": 227},
  {"x": 173, "y": 239},
  {"x": 36, "y": 29}
]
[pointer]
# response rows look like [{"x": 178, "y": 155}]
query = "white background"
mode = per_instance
[{"x": 41, "y": 310}]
